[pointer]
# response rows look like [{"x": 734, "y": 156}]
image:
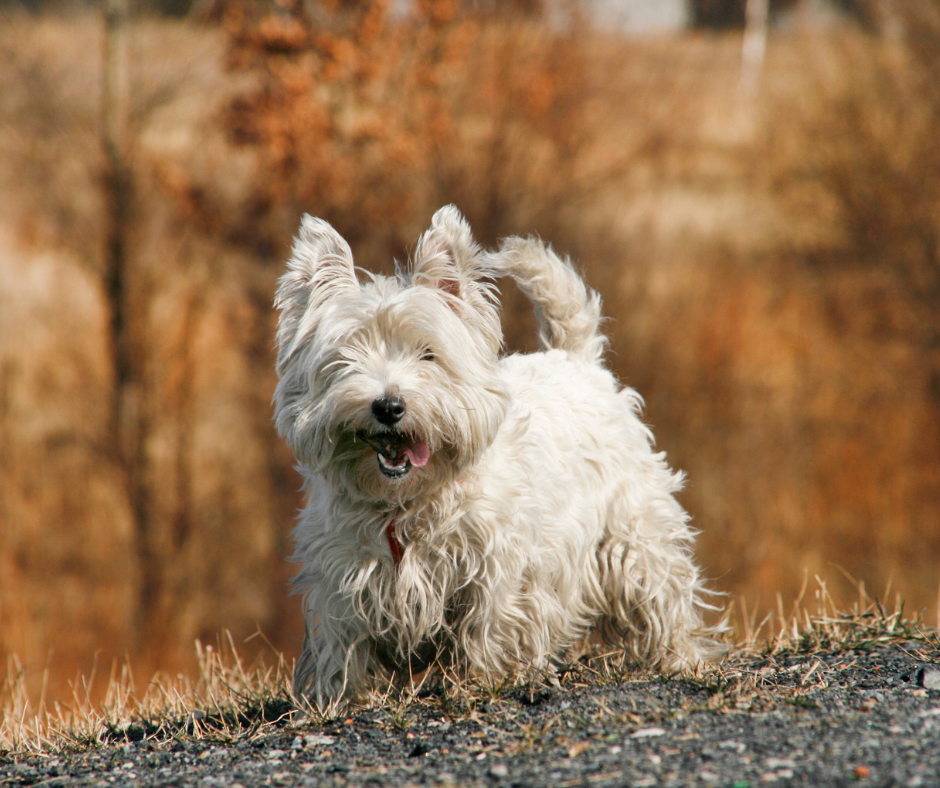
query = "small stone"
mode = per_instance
[
  {"x": 273, "y": 754},
  {"x": 646, "y": 733},
  {"x": 317, "y": 740},
  {"x": 861, "y": 772},
  {"x": 499, "y": 770},
  {"x": 577, "y": 748},
  {"x": 737, "y": 746},
  {"x": 928, "y": 678},
  {"x": 419, "y": 749}
]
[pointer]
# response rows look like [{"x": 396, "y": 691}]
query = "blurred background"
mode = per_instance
[{"x": 753, "y": 186}]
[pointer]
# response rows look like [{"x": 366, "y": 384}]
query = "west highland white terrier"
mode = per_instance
[{"x": 487, "y": 513}]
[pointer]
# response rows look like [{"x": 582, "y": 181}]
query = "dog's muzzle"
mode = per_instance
[{"x": 397, "y": 452}]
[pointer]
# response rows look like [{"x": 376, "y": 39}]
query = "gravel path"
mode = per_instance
[{"x": 867, "y": 718}]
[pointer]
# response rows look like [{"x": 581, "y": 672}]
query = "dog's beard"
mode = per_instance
[{"x": 396, "y": 452}]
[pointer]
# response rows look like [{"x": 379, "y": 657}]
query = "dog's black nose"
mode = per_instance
[{"x": 388, "y": 410}]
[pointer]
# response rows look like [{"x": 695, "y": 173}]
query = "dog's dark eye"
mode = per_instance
[{"x": 427, "y": 354}]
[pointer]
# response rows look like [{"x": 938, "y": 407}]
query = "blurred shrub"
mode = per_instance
[{"x": 372, "y": 124}]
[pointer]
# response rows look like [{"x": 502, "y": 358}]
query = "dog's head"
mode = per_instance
[{"x": 388, "y": 388}]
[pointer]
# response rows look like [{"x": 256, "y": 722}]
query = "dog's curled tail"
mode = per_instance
[{"x": 569, "y": 312}]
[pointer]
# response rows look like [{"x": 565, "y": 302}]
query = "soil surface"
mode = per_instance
[{"x": 868, "y": 717}]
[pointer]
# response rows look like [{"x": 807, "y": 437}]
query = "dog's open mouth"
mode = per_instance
[{"x": 397, "y": 452}]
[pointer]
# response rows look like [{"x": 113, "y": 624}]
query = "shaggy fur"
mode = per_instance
[{"x": 487, "y": 512}]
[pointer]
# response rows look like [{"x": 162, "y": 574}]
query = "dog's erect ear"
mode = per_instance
[
  {"x": 446, "y": 253},
  {"x": 448, "y": 259},
  {"x": 319, "y": 270},
  {"x": 321, "y": 265}
]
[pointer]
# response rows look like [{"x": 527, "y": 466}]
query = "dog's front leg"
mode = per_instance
[{"x": 336, "y": 657}]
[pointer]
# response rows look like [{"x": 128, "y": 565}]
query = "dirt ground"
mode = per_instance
[{"x": 867, "y": 716}]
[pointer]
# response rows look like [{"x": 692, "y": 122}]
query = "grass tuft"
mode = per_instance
[
  {"x": 823, "y": 628},
  {"x": 225, "y": 702}
]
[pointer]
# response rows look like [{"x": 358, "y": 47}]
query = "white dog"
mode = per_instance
[{"x": 486, "y": 512}]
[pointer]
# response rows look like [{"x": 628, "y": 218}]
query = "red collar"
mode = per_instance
[{"x": 394, "y": 545}]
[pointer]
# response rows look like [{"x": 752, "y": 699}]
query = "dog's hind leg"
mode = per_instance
[
  {"x": 568, "y": 311},
  {"x": 648, "y": 588}
]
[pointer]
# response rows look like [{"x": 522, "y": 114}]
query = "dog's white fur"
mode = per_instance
[{"x": 532, "y": 510}]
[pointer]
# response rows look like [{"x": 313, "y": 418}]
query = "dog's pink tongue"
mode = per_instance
[{"x": 419, "y": 453}]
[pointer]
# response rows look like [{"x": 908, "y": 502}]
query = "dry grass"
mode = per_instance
[
  {"x": 821, "y": 625},
  {"x": 230, "y": 701},
  {"x": 227, "y": 701},
  {"x": 781, "y": 658}
]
